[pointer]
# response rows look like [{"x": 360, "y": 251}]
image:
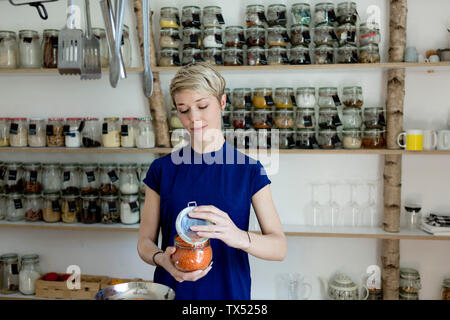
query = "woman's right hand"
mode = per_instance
[{"x": 165, "y": 261}]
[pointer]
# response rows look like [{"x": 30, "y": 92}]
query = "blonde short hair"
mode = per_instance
[{"x": 199, "y": 76}]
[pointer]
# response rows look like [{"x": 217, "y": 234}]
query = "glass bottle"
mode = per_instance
[
  {"x": 8, "y": 50},
  {"x": 212, "y": 37},
  {"x": 104, "y": 49},
  {"x": 212, "y": 16},
  {"x": 30, "y": 55},
  {"x": 169, "y": 17},
  {"x": 169, "y": 38},
  {"x": 110, "y": 209},
  {"x": 369, "y": 54},
  {"x": 256, "y": 56},
  {"x": 191, "y": 55},
  {"x": 129, "y": 178},
  {"x": 351, "y": 139},
  {"x": 15, "y": 207},
  {"x": 14, "y": 177},
  {"x": 126, "y": 47},
  {"x": 277, "y": 36},
  {"x": 90, "y": 209},
  {"x": 347, "y": 13},
  {"x": 169, "y": 57},
  {"x": 328, "y": 97},
  {"x": 32, "y": 178},
  {"x": 129, "y": 209},
  {"x": 71, "y": 179},
  {"x": 37, "y": 132},
  {"x": 51, "y": 178},
  {"x": 301, "y": 13},
  {"x": 226, "y": 119},
  {"x": 145, "y": 137},
  {"x": 446, "y": 289},
  {"x": 33, "y": 207},
  {"x": 50, "y": 48},
  {"x": 351, "y": 118},
  {"x": 30, "y": 271},
  {"x": 256, "y": 36},
  {"x": 90, "y": 182},
  {"x": 10, "y": 273},
  {"x": 71, "y": 209},
  {"x": 4, "y": 132},
  {"x": 71, "y": 132},
  {"x": 255, "y": 15},
  {"x": 52, "y": 208},
  {"x": 276, "y": 15},
  {"x": 277, "y": 55},
  {"x": 54, "y": 131},
  {"x": 300, "y": 55},
  {"x": 324, "y": 55},
  {"x": 242, "y": 98},
  {"x": 18, "y": 132},
  {"x": 109, "y": 179},
  {"x": 233, "y": 56},
  {"x": 190, "y": 17},
  {"x": 347, "y": 53},
  {"x": 234, "y": 36},
  {"x": 352, "y": 97},
  {"x": 213, "y": 56},
  {"x": 128, "y": 132},
  {"x": 111, "y": 132},
  {"x": 90, "y": 133}
]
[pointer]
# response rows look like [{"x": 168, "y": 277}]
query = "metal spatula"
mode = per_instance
[
  {"x": 91, "y": 67},
  {"x": 148, "y": 75},
  {"x": 70, "y": 45}
]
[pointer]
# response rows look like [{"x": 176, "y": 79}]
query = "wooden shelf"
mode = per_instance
[
  {"x": 69, "y": 226},
  {"x": 19, "y": 296},
  {"x": 55, "y": 71}
]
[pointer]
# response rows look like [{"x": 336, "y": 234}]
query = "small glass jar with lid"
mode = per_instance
[
  {"x": 129, "y": 178},
  {"x": 13, "y": 176},
  {"x": 351, "y": 138},
  {"x": 328, "y": 97},
  {"x": 329, "y": 118},
  {"x": 369, "y": 54},
  {"x": 277, "y": 36},
  {"x": 2, "y": 206},
  {"x": 233, "y": 56},
  {"x": 277, "y": 55},
  {"x": 301, "y": 13},
  {"x": 169, "y": 38},
  {"x": 242, "y": 119},
  {"x": 71, "y": 132},
  {"x": 111, "y": 132},
  {"x": 71, "y": 209},
  {"x": 226, "y": 119},
  {"x": 110, "y": 209},
  {"x": 90, "y": 181},
  {"x": 446, "y": 290},
  {"x": 15, "y": 207},
  {"x": 374, "y": 118},
  {"x": 52, "y": 208},
  {"x": 256, "y": 36},
  {"x": 351, "y": 118},
  {"x": 300, "y": 35},
  {"x": 256, "y": 56},
  {"x": 262, "y": 119},
  {"x": 190, "y": 17},
  {"x": 50, "y": 48},
  {"x": 352, "y": 97},
  {"x": 90, "y": 209},
  {"x": 306, "y": 139},
  {"x": 213, "y": 56},
  {"x": 325, "y": 35},
  {"x": 109, "y": 179},
  {"x": 71, "y": 180},
  {"x": 91, "y": 134},
  {"x": 33, "y": 207},
  {"x": 32, "y": 178},
  {"x": 306, "y": 97},
  {"x": 191, "y": 55},
  {"x": 347, "y": 13},
  {"x": 18, "y": 132},
  {"x": 329, "y": 139},
  {"x": 100, "y": 34},
  {"x": 8, "y": 50},
  {"x": 128, "y": 132},
  {"x": 284, "y": 98},
  {"x": 324, "y": 13},
  {"x": 169, "y": 57},
  {"x": 36, "y": 132},
  {"x": 324, "y": 55},
  {"x": 242, "y": 98},
  {"x": 255, "y": 15},
  {"x": 409, "y": 281},
  {"x": 212, "y": 16},
  {"x": 4, "y": 132},
  {"x": 346, "y": 34},
  {"x": 286, "y": 138},
  {"x": 54, "y": 132},
  {"x": 9, "y": 264},
  {"x": 300, "y": 55},
  {"x": 347, "y": 53},
  {"x": 234, "y": 36},
  {"x": 369, "y": 34},
  {"x": 30, "y": 271},
  {"x": 284, "y": 119},
  {"x": 175, "y": 122},
  {"x": 191, "y": 257},
  {"x": 30, "y": 55},
  {"x": 262, "y": 98},
  {"x": 192, "y": 38},
  {"x": 305, "y": 118},
  {"x": 169, "y": 17},
  {"x": 129, "y": 209},
  {"x": 51, "y": 178},
  {"x": 276, "y": 15},
  {"x": 374, "y": 139},
  {"x": 145, "y": 137}
]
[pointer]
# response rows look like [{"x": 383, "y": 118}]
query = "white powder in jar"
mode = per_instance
[
  {"x": 129, "y": 141},
  {"x": 210, "y": 42},
  {"x": 127, "y": 216},
  {"x": 73, "y": 138},
  {"x": 145, "y": 139},
  {"x": 306, "y": 100},
  {"x": 27, "y": 279},
  {"x": 352, "y": 142},
  {"x": 129, "y": 188},
  {"x": 20, "y": 139}
]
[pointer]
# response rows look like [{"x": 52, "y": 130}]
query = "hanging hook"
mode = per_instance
[{"x": 38, "y": 5}]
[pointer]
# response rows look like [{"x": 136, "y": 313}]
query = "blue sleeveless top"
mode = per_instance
[{"x": 226, "y": 179}]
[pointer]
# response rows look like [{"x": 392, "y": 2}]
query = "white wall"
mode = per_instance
[{"x": 114, "y": 254}]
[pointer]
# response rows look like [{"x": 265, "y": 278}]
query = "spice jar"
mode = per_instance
[
  {"x": 169, "y": 17},
  {"x": 300, "y": 35},
  {"x": 374, "y": 118},
  {"x": 325, "y": 35},
  {"x": 191, "y": 55},
  {"x": 352, "y": 97},
  {"x": 51, "y": 178},
  {"x": 255, "y": 15},
  {"x": 54, "y": 131},
  {"x": 277, "y": 36},
  {"x": 242, "y": 98},
  {"x": 234, "y": 36},
  {"x": 8, "y": 50},
  {"x": 90, "y": 133},
  {"x": 256, "y": 56},
  {"x": 90, "y": 182},
  {"x": 213, "y": 56},
  {"x": 145, "y": 137},
  {"x": 328, "y": 97},
  {"x": 175, "y": 122},
  {"x": 71, "y": 209},
  {"x": 369, "y": 34},
  {"x": 226, "y": 119},
  {"x": 369, "y": 54},
  {"x": 212, "y": 16},
  {"x": 446, "y": 289},
  {"x": 32, "y": 178},
  {"x": 109, "y": 179},
  {"x": 30, "y": 55},
  {"x": 169, "y": 38},
  {"x": 129, "y": 209},
  {"x": 324, "y": 55},
  {"x": 351, "y": 139},
  {"x": 305, "y": 118},
  {"x": 373, "y": 139},
  {"x": 351, "y": 118},
  {"x": 169, "y": 57},
  {"x": 306, "y": 139},
  {"x": 90, "y": 209},
  {"x": 14, "y": 177},
  {"x": 300, "y": 55},
  {"x": 18, "y": 132},
  {"x": 306, "y": 97},
  {"x": 277, "y": 56},
  {"x": 347, "y": 13},
  {"x": 71, "y": 132},
  {"x": 262, "y": 98},
  {"x": 347, "y": 53},
  {"x": 329, "y": 118},
  {"x": 111, "y": 132},
  {"x": 129, "y": 178},
  {"x": 4, "y": 132},
  {"x": 33, "y": 207},
  {"x": 128, "y": 133},
  {"x": 10, "y": 273},
  {"x": 100, "y": 34},
  {"x": 190, "y": 17},
  {"x": 276, "y": 15},
  {"x": 50, "y": 48},
  {"x": 192, "y": 38},
  {"x": 36, "y": 132},
  {"x": 284, "y": 119},
  {"x": 71, "y": 179},
  {"x": 301, "y": 13},
  {"x": 126, "y": 47},
  {"x": 15, "y": 208},
  {"x": 233, "y": 56},
  {"x": 286, "y": 139},
  {"x": 329, "y": 139},
  {"x": 179, "y": 138},
  {"x": 346, "y": 34},
  {"x": 262, "y": 119},
  {"x": 30, "y": 271},
  {"x": 190, "y": 257},
  {"x": 256, "y": 36},
  {"x": 409, "y": 281},
  {"x": 242, "y": 119},
  {"x": 52, "y": 208},
  {"x": 284, "y": 98},
  {"x": 324, "y": 14},
  {"x": 110, "y": 209}
]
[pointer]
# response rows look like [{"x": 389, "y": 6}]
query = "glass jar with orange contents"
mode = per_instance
[
  {"x": 262, "y": 98},
  {"x": 191, "y": 257}
]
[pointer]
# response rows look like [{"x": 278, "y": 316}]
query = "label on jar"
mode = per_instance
[
  {"x": 220, "y": 18},
  {"x": 134, "y": 206},
  {"x": 113, "y": 176},
  {"x": 336, "y": 141},
  {"x": 263, "y": 59},
  {"x": 105, "y": 128},
  {"x": 124, "y": 130},
  {"x": 176, "y": 60},
  {"x": 307, "y": 58},
  {"x": 218, "y": 38},
  {"x": 92, "y": 207},
  {"x": 240, "y": 59},
  {"x": 269, "y": 101},
  {"x": 313, "y": 142},
  {"x": 18, "y": 204},
  {"x": 54, "y": 42},
  {"x": 81, "y": 127},
  {"x": 112, "y": 208},
  {"x": 90, "y": 176},
  {"x": 336, "y": 121},
  {"x": 307, "y": 120},
  {"x": 12, "y": 176},
  {"x": 333, "y": 35},
  {"x": 72, "y": 206},
  {"x": 33, "y": 176},
  {"x": 193, "y": 40},
  {"x": 351, "y": 36},
  {"x": 27, "y": 39},
  {"x": 14, "y": 268},
  {"x": 291, "y": 142},
  {"x": 66, "y": 130},
  {"x": 294, "y": 102},
  {"x": 262, "y": 16},
  {"x": 306, "y": 36},
  {"x": 284, "y": 58},
  {"x": 198, "y": 57},
  {"x": 218, "y": 60},
  {"x": 13, "y": 128},
  {"x": 49, "y": 130},
  {"x": 355, "y": 57},
  {"x": 286, "y": 37},
  {"x": 381, "y": 119},
  {"x": 32, "y": 129},
  {"x": 66, "y": 176},
  {"x": 196, "y": 20},
  {"x": 281, "y": 17},
  {"x": 2, "y": 173},
  {"x": 331, "y": 16},
  {"x": 242, "y": 38},
  {"x": 56, "y": 206},
  {"x": 248, "y": 101},
  {"x": 336, "y": 100},
  {"x": 177, "y": 18},
  {"x": 330, "y": 57}
]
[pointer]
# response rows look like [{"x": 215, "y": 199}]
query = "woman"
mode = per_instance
[{"x": 223, "y": 191}]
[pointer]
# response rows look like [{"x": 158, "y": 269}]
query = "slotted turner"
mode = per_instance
[
  {"x": 92, "y": 66},
  {"x": 70, "y": 45}
]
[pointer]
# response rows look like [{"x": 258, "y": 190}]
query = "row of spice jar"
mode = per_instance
[
  {"x": 12, "y": 280},
  {"x": 88, "y": 209},
  {"x": 29, "y": 52},
  {"x": 77, "y": 132},
  {"x": 73, "y": 178}
]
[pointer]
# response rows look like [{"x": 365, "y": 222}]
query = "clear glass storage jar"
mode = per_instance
[
  {"x": 13, "y": 177},
  {"x": 262, "y": 98},
  {"x": 169, "y": 17},
  {"x": 277, "y": 56},
  {"x": 4, "y": 132},
  {"x": 277, "y": 36},
  {"x": 52, "y": 208},
  {"x": 369, "y": 34},
  {"x": 51, "y": 178},
  {"x": 145, "y": 137},
  {"x": 409, "y": 281},
  {"x": 242, "y": 119},
  {"x": 71, "y": 209},
  {"x": 71, "y": 180},
  {"x": 90, "y": 182},
  {"x": 351, "y": 118},
  {"x": 306, "y": 97},
  {"x": 256, "y": 36},
  {"x": 301, "y": 13},
  {"x": 300, "y": 55},
  {"x": 33, "y": 207},
  {"x": 32, "y": 178},
  {"x": 305, "y": 118},
  {"x": 15, "y": 207},
  {"x": 129, "y": 178},
  {"x": 242, "y": 98},
  {"x": 128, "y": 132},
  {"x": 169, "y": 38},
  {"x": 329, "y": 118},
  {"x": 54, "y": 132},
  {"x": 374, "y": 117},
  {"x": 109, "y": 179},
  {"x": 9, "y": 264},
  {"x": 255, "y": 15},
  {"x": 286, "y": 138},
  {"x": 262, "y": 119},
  {"x": 306, "y": 139},
  {"x": 129, "y": 209},
  {"x": 188, "y": 257},
  {"x": 213, "y": 56},
  {"x": 233, "y": 56},
  {"x": 36, "y": 132},
  {"x": 256, "y": 56},
  {"x": 18, "y": 132},
  {"x": 347, "y": 53},
  {"x": 347, "y": 13},
  {"x": 30, "y": 55},
  {"x": 325, "y": 35},
  {"x": 284, "y": 98},
  {"x": 352, "y": 138},
  {"x": 50, "y": 48},
  {"x": 352, "y": 97},
  {"x": 300, "y": 35},
  {"x": 276, "y": 14},
  {"x": 234, "y": 36},
  {"x": 374, "y": 139},
  {"x": 100, "y": 34},
  {"x": 346, "y": 34},
  {"x": 324, "y": 55},
  {"x": 111, "y": 132},
  {"x": 192, "y": 38},
  {"x": 191, "y": 55},
  {"x": 328, "y": 97},
  {"x": 190, "y": 17},
  {"x": 284, "y": 119},
  {"x": 8, "y": 50},
  {"x": 324, "y": 13},
  {"x": 329, "y": 139},
  {"x": 30, "y": 271},
  {"x": 91, "y": 134},
  {"x": 110, "y": 209},
  {"x": 90, "y": 209},
  {"x": 369, "y": 54},
  {"x": 169, "y": 57},
  {"x": 212, "y": 16},
  {"x": 71, "y": 132}
]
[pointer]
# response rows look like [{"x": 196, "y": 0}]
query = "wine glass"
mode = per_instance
[
  {"x": 335, "y": 211},
  {"x": 354, "y": 212},
  {"x": 316, "y": 208}
]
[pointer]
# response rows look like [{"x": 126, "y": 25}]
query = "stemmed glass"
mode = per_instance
[
  {"x": 353, "y": 218},
  {"x": 372, "y": 207},
  {"x": 316, "y": 208},
  {"x": 335, "y": 212}
]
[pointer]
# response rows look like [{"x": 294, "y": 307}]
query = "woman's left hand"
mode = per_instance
[{"x": 222, "y": 227}]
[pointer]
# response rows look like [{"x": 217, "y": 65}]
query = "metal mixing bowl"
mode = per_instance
[{"x": 136, "y": 291}]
